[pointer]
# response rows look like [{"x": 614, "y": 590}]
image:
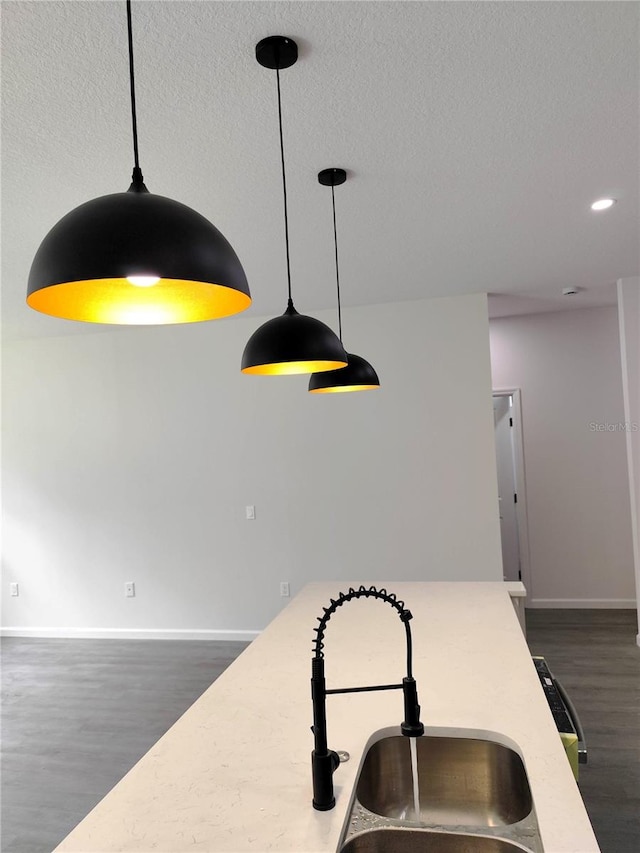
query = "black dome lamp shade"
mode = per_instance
[
  {"x": 292, "y": 343},
  {"x": 358, "y": 375},
  {"x": 136, "y": 258}
]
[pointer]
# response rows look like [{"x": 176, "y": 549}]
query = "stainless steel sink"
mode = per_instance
[
  {"x": 474, "y": 797},
  {"x": 461, "y": 781},
  {"x": 424, "y": 841}
]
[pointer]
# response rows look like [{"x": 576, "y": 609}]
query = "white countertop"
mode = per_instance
[{"x": 234, "y": 772}]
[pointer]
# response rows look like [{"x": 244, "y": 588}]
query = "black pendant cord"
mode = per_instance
[
  {"x": 335, "y": 241},
  {"x": 284, "y": 191},
  {"x": 137, "y": 173}
]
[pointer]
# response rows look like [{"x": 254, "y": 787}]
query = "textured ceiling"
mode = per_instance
[{"x": 476, "y": 135}]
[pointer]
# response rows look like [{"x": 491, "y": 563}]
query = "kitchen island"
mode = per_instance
[{"x": 234, "y": 772}]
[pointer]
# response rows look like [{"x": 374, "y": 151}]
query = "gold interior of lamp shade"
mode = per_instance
[
  {"x": 286, "y": 368},
  {"x": 118, "y": 301},
  {"x": 339, "y": 389}
]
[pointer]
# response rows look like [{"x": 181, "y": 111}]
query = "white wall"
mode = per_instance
[
  {"x": 131, "y": 454},
  {"x": 567, "y": 364},
  {"x": 629, "y": 317}
]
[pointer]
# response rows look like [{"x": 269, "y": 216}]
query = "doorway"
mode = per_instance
[{"x": 507, "y": 417}]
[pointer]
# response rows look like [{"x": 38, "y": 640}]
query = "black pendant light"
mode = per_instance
[
  {"x": 136, "y": 258},
  {"x": 358, "y": 375},
  {"x": 292, "y": 343}
]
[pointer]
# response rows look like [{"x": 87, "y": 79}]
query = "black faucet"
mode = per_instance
[{"x": 323, "y": 760}]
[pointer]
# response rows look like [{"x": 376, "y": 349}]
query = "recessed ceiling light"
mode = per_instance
[{"x": 603, "y": 204}]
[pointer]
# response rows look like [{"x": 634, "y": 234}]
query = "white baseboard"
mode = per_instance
[
  {"x": 129, "y": 634},
  {"x": 585, "y": 603}
]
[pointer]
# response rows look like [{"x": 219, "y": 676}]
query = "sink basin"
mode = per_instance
[
  {"x": 423, "y": 841},
  {"x": 462, "y": 782}
]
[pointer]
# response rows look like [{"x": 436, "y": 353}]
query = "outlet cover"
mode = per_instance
[
  {"x": 14, "y": 588},
  {"x": 284, "y": 589},
  {"x": 130, "y": 589}
]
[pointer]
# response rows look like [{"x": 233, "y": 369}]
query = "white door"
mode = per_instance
[{"x": 507, "y": 490}]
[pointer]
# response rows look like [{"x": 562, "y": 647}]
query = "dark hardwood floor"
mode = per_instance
[
  {"x": 78, "y": 714},
  {"x": 595, "y": 656}
]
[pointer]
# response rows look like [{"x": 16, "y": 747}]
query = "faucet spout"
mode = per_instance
[
  {"x": 324, "y": 761},
  {"x": 411, "y": 727}
]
